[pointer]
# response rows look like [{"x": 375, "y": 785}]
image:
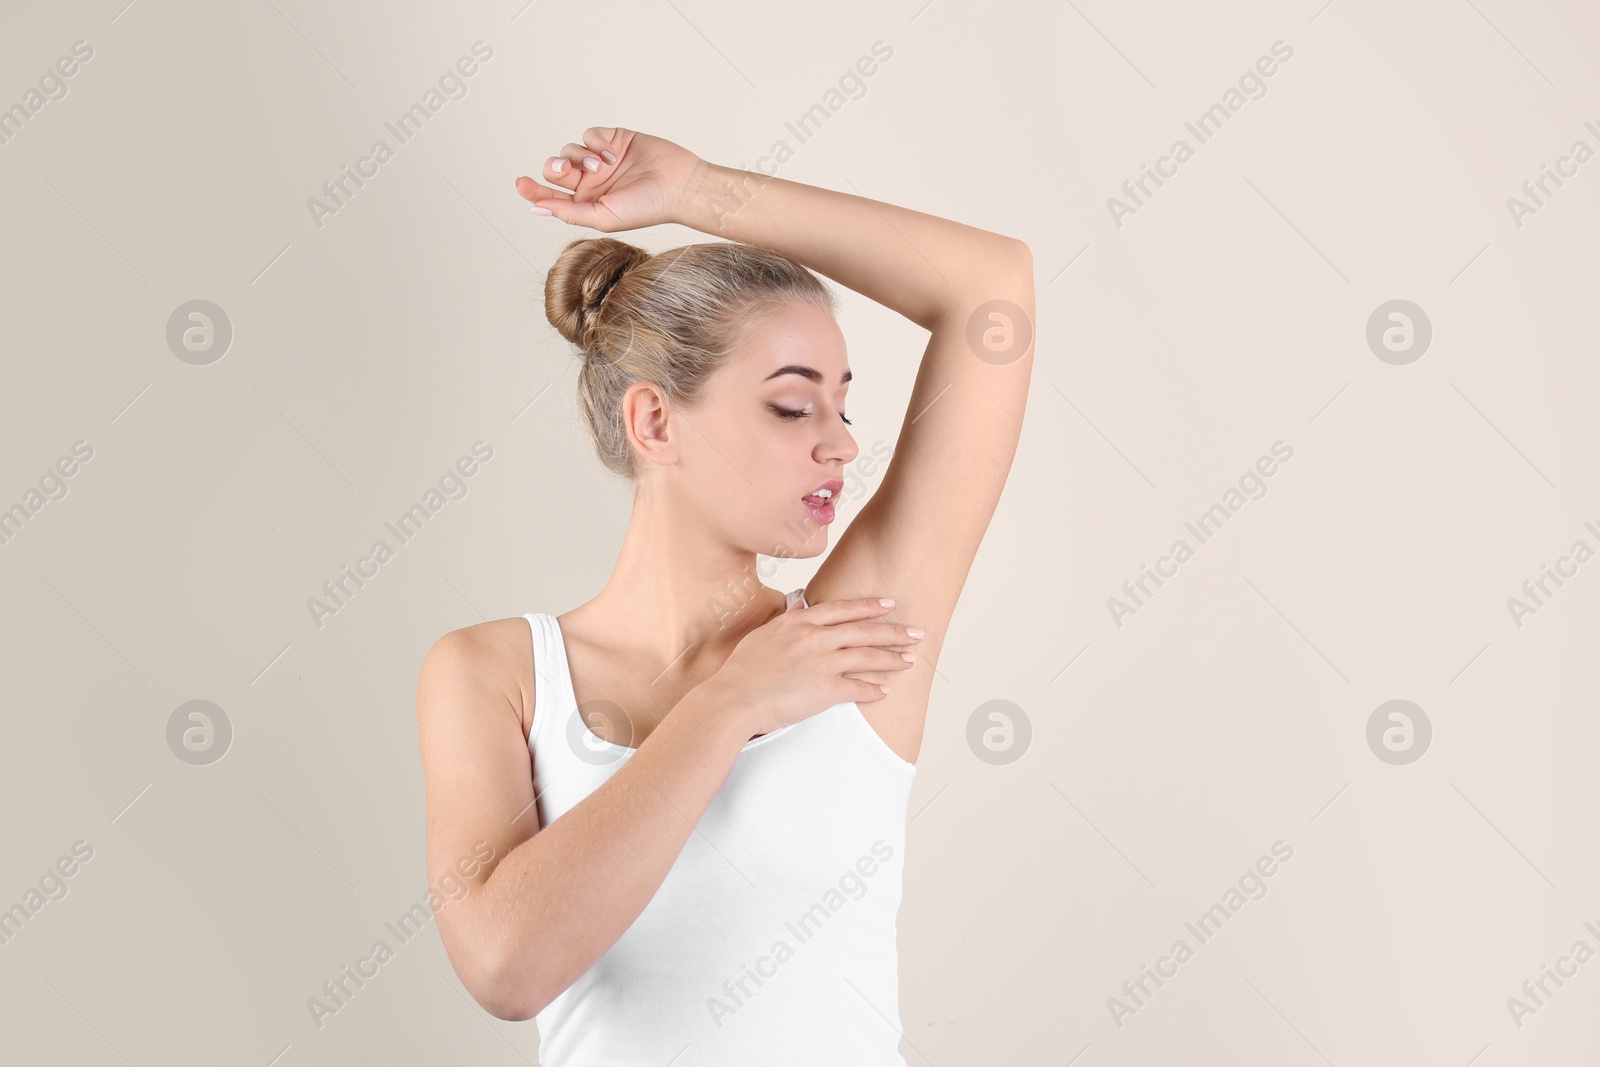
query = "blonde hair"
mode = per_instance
[{"x": 670, "y": 319}]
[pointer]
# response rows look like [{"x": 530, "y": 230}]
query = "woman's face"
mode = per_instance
[{"x": 768, "y": 431}]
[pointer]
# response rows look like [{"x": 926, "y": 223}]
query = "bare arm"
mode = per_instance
[
  {"x": 973, "y": 291},
  {"x": 551, "y": 901},
  {"x": 925, "y": 267}
]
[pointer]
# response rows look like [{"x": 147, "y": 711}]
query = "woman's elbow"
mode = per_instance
[
  {"x": 511, "y": 1010},
  {"x": 1023, "y": 256},
  {"x": 503, "y": 997},
  {"x": 1006, "y": 268},
  {"x": 498, "y": 986}
]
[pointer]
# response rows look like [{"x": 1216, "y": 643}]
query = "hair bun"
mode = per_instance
[{"x": 582, "y": 276}]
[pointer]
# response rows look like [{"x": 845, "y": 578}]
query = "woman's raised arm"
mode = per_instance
[
  {"x": 973, "y": 290},
  {"x": 970, "y": 288}
]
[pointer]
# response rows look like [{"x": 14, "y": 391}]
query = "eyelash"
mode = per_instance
[{"x": 784, "y": 413}]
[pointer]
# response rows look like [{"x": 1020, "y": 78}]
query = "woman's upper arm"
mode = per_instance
[
  {"x": 916, "y": 538},
  {"x": 477, "y": 772}
]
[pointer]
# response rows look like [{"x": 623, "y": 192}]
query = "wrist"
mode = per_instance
[
  {"x": 712, "y": 193},
  {"x": 694, "y": 192},
  {"x": 714, "y": 703}
]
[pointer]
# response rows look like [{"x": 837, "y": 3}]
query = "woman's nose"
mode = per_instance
[{"x": 841, "y": 447}]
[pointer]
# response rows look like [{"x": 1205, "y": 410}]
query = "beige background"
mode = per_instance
[{"x": 1228, "y": 313}]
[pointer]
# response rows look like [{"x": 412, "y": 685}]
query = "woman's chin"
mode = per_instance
[
  {"x": 814, "y": 547},
  {"x": 800, "y": 544}
]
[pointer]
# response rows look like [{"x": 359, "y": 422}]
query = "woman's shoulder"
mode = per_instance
[{"x": 495, "y": 655}]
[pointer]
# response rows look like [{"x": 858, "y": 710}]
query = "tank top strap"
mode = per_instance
[{"x": 553, "y": 697}]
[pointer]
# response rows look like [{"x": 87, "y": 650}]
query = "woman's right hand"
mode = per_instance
[
  {"x": 802, "y": 662},
  {"x": 642, "y": 183}
]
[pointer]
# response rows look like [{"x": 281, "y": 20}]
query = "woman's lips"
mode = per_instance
[
  {"x": 822, "y": 510},
  {"x": 823, "y": 513}
]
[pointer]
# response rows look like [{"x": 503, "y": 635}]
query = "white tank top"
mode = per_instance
[{"x": 772, "y": 939}]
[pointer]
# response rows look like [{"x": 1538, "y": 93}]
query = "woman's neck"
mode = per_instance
[{"x": 677, "y": 597}]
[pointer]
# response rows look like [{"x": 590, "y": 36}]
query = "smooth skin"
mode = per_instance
[{"x": 720, "y": 484}]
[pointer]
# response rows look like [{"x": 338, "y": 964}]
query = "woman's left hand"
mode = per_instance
[{"x": 637, "y": 180}]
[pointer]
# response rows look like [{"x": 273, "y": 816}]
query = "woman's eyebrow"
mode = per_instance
[{"x": 809, "y": 373}]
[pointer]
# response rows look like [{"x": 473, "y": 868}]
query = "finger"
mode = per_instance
[
  {"x": 574, "y": 212},
  {"x": 838, "y": 611},
  {"x": 531, "y": 190},
  {"x": 561, "y": 171},
  {"x": 874, "y": 677},
  {"x": 608, "y": 142},
  {"x": 859, "y": 692},
  {"x": 583, "y": 161},
  {"x": 873, "y": 660},
  {"x": 863, "y": 632}
]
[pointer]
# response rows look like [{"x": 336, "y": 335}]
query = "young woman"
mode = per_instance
[{"x": 703, "y": 865}]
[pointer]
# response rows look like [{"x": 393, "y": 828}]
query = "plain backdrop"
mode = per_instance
[{"x": 1182, "y": 337}]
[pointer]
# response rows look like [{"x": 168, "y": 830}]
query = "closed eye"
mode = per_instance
[{"x": 787, "y": 414}]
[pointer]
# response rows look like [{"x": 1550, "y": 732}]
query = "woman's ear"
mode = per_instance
[{"x": 644, "y": 412}]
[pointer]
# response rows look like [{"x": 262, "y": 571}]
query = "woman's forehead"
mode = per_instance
[{"x": 804, "y": 344}]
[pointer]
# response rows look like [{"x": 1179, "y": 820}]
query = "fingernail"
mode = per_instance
[
  {"x": 591, "y": 164},
  {"x": 608, "y": 156},
  {"x": 908, "y": 657},
  {"x": 537, "y": 210},
  {"x": 913, "y": 633},
  {"x": 559, "y": 165},
  {"x": 886, "y": 602}
]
